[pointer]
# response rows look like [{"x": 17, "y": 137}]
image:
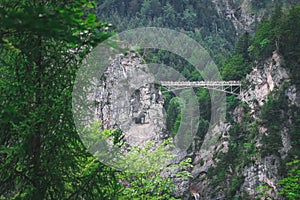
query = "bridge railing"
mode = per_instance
[
  {"x": 200, "y": 83},
  {"x": 231, "y": 87}
]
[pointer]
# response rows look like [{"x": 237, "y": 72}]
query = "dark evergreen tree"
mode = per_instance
[
  {"x": 41, "y": 155},
  {"x": 242, "y": 46}
]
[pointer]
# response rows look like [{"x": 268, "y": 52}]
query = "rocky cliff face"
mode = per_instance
[
  {"x": 263, "y": 80},
  {"x": 127, "y": 101},
  {"x": 245, "y": 14},
  {"x": 239, "y": 12},
  {"x": 267, "y": 78}
]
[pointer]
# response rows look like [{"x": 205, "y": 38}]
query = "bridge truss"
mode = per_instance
[{"x": 230, "y": 87}]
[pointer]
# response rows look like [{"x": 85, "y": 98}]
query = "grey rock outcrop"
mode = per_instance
[
  {"x": 217, "y": 142},
  {"x": 262, "y": 170},
  {"x": 246, "y": 14},
  {"x": 263, "y": 80},
  {"x": 129, "y": 100},
  {"x": 239, "y": 13},
  {"x": 293, "y": 95}
]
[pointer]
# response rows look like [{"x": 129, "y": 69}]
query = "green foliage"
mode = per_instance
[
  {"x": 174, "y": 115},
  {"x": 204, "y": 102},
  {"x": 242, "y": 45},
  {"x": 281, "y": 33},
  {"x": 156, "y": 182},
  {"x": 267, "y": 36},
  {"x": 41, "y": 155},
  {"x": 291, "y": 183},
  {"x": 241, "y": 152},
  {"x": 148, "y": 170},
  {"x": 234, "y": 186},
  {"x": 53, "y": 20},
  {"x": 290, "y": 42},
  {"x": 232, "y": 103},
  {"x": 262, "y": 45},
  {"x": 215, "y": 32},
  {"x": 148, "y": 157},
  {"x": 266, "y": 7},
  {"x": 41, "y": 46},
  {"x": 295, "y": 132},
  {"x": 235, "y": 68},
  {"x": 272, "y": 115},
  {"x": 264, "y": 192}
]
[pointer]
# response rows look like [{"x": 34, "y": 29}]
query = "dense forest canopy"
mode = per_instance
[
  {"x": 197, "y": 19},
  {"x": 41, "y": 155},
  {"x": 42, "y": 44}
]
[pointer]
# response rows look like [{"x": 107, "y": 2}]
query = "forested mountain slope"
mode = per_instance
[
  {"x": 255, "y": 151},
  {"x": 216, "y": 24},
  {"x": 261, "y": 132}
]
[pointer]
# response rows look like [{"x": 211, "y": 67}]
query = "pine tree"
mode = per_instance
[{"x": 41, "y": 156}]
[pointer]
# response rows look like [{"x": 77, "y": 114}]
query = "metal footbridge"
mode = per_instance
[{"x": 230, "y": 87}]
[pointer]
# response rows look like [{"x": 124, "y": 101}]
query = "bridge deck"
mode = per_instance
[
  {"x": 224, "y": 86},
  {"x": 200, "y": 83}
]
